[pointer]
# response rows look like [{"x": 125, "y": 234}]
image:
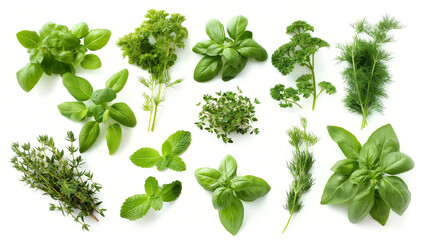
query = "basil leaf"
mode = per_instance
[
  {"x": 385, "y": 140},
  {"x": 397, "y": 162},
  {"x": 78, "y": 87},
  {"x": 229, "y": 72},
  {"x": 345, "y": 166},
  {"x": 151, "y": 186},
  {"x": 240, "y": 183},
  {"x": 113, "y": 137},
  {"x": 170, "y": 192},
  {"x": 28, "y": 39},
  {"x": 29, "y": 76},
  {"x": 339, "y": 189},
  {"x": 232, "y": 57},
  {"x": 360, "y": 176},
  {"x": 97, "y": 39},
  {"x": 207, "y": 68},
  {"x": 245, "y": 35},
  {"x": 176, "y": 164},
  {"x": 222, "y": 197},
  {"x": 369, "y": 155},
  {"x": 207, "y": 178},
  {"x": 88, "y": 135},
  {"x": 361, "y": 204},
  {"x": 65, "y": 56},
  {"x": 90, "y": 61},
  {"x": 215, "y": 31},
  {"x": 78, "y": 58},
  {"x": 202, "y": 46},
  {"x": 236, "y": 26},
  {"x": 103, "y": 96},
  {"x": 347, "y": 142},
  {"x": 228, "y": 167},
  {"x": 145, "y": 157},
  {"x": 36, "y": 55},
  {"x": 380, "y": 210},
  {"x": 257, "y": 189},
  {"x": 135, "y": 207},
  {"x": 118, "y": 80},
  {"x": 177, "y": 143},
  {"x": 251, "y": 49},
  {"x": 214, "y": 50},
  {"x": 98, "y": 112},
  {"x": 232, "y": 216},
  {"x": 75, "y": 111},
  {"x": 68, "y": 40},
  {"x": 80, "y": 30},
  {"x": 395, "y": 193},
  {"x": 123, "y": 114}
]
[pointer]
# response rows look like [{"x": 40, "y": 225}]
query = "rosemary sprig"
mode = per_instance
[
  {"x": 299, "y": 167},
  {"x": 47, "y": 169}
]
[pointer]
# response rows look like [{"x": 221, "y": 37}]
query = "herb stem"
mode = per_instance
[{"x": 286, "y": 225}]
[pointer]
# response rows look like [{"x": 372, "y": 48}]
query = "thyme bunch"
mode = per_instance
[
  {"x": 299, "y": 167},
  {"x": 46, "y": 168}
]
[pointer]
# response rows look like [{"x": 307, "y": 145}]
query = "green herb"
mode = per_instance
[
  {"x": 97, "y": 108},
  {"x": 58, "y": 50},
  {"x": 366, "y": 73},
  {"x": 48, "y": 169},
  {"x": 365, "y": 178},
  {"x": 172, "y": 148},
  {"x": 234, "y": 50},
  {"x": 299, "y": 51},
  {"x": 137, "y": 206},
  {"x": 228, "y": 191},
  {"x": 152, "y": 47},
  {"x": 299, "y": 167},
  {"x": 227, "y": 113}
]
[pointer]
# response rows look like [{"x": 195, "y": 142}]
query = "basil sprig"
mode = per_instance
[{"x": 366, "y": 178}]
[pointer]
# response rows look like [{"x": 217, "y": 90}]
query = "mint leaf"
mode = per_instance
[
  {"x": 177, "y": 164},
  {"x": 151, "y": 186},
  {"x": 145, "y": 157},
  {"x": 179, "y": 142},
  {"x": 170, "y": 192},
  {"x": 166, "y": 148},
  {"x": 135, "y": 207},
  {"x": 162, "y": 162},
  {"x": 156, "y": 202}
]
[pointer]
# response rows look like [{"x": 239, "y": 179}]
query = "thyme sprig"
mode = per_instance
[{"x": 46, "y": 168}]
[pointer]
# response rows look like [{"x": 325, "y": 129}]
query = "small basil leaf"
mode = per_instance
[
  {"x": 228, "y": 167},
  {"x": 28, "y": 39},
  {"x": 118, "y": 80},
  {"x": 75, "y": 111},
  {"x": 78, "y": 87},
  {"x": 98, "y": 112},
  {"x": 123, "y": 114},
  {"x": 113, "y": 137},
  {"x": 229, "y": 72},
  {"x": 361, "y": 204},
  {"x": 135, "y": 207},
  {"x": 345, "y": 166},
  {"x": 232, "y": 57},
  {"x": 245, "y": 35},
  {"x": 347, "y": 142},
  {"x": 395, "y": 193},
  {"x": 236, "y": 26},
  {"x": 397, "y": 162},
  {"x": 222, "y": 197},
  {"x": 178, "y": 142},
  {"x": 257, "y": 189},
  {"x": 385, "y": 140},
  {"x": 214, "y": 50},
  {"x": 36, "y": 55},
  {"x": 170, "y": 192},
  {"x": 360, "y": 176},
  {"x": 90, "y": 61},
  {"x": 232, "y": 216},
  {"x": 103, "y": 96},
  {"x": 79, "y": 58},
  {"x": 207, "y": 68},
  {"x": 215, "y": 31},
  {"x": 145, "y": 157},
  {"x": 29, "y": 76},
  {"x": 380, "y": 210},
  {"x": 88, "y": 135},
  {"x": 97, "y": 39},
  {"x": 65, "y": 56},
  {"x": 202, "y": 46},
  {"x": 369, "y": 155},
  {"x": 151, "y": 186},
  {"x": 80, "y": 30},
  {"x": 208, "y": 178},
  {"x": 338, "y": 190},
  {"x": 251, "y": 49}
]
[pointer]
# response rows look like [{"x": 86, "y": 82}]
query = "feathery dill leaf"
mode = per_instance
[
  {"x": 299, "y": 167},
  {"x": 46, "y": 168},
  {"x": 366, "y": 71}
]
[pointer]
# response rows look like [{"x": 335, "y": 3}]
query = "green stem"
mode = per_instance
[
  {"x": 364, "y": 122},
  {"x": 154, "y": 117},
  {"x": 150, "y": 121},
  {"x": 314, "y": 83},
  {"x": 286, "y": 225}
]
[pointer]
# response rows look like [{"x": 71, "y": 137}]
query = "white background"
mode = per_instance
[{"x": 26, "y": 115}]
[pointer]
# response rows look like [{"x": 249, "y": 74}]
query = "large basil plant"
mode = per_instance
[{"x": 366, "y": 178}]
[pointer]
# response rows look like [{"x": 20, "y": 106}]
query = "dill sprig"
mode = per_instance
[
  {"x": 366, "y": 73},
  {"x": 299, "y": 166},
  {"x": 46, "y": 168}
]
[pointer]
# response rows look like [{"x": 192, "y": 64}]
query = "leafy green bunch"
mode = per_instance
[
  {"x": 137, "y": 206},
  {"x": 229, "y": 112},
  {"x": 299, "y": 166},
  {"x": 58, "y": 50},
  {"x": 366, "y": 73},
  {"x": 366, "y": 178},
  {"x": 152, "y": 47},
  {"x": 48, "y": 169},
  {"x": 229, "y": 189},
  {"x": 172, "y": 148},
  {"x": 98, "y": 108},
  {"x": 234, "y": 50},
  {"x": 299, "y": 51}
]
